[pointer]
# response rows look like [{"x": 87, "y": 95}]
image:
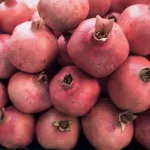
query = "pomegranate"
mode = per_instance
[
  {"x": 16, "y": 128},
  {"x": 106, "y": 127},
  {"x": 32, "y": 47},
  {"x": 29, "y": 92},
  {"x": 74, "y": 92},
  {"x": 134, "y": 21},
  {"x": 102, "y": 45},
  {"x": 129, "y": 85},
  {"x": 71, "y": 13},
  {"x": 12, "y": 13},
  {"x": 55, "y": 130}
]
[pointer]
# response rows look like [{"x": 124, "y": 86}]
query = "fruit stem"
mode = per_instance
[
  {"x": 145, "y": 74},
  {"x": 2, "y": 114},
  {"x": 63, "y": 126},
  {"x": 103, "y": 28},
  {"x": 124, "y": 118},
  {"x": 67, "y": 81},
  {"x": 42, "y": 77},
  {"x": 37, "y": 24}
]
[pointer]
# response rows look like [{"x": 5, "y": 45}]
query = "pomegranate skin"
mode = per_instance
[
  {"x": 27, "y": 37},
  {"x": 121, "y": 5},
  {"x": 63, "y": 57},
  {"x": 17, "y": 128},
  {"x": 71, "y": 13},
  {"x": 134, "y": 22},
  {"x": 29, "y": 92},
  {"x": 125, "y": 87},
  {"x": 51, "y": 138},
  {"x": 142, "y": 129},
  {"x": 3, "y": 95},
  {"x": 99, "y": 58},
  {"x": 35, "y": 16},
  {"x": 101, "y": 127},
  {"x": 6, "y": 68},
  {"x": 32, "y": 4},
  {"x": 76, "y": 98},
  {"x": 9, "y": 22},
  {"x": 98, "y": 7}
]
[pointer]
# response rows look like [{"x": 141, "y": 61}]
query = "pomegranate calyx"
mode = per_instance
[
  {"x": 67, "y": 81},
  {"x": 113, "y": 17},
  {"x": 37, "y": 24},
  {"x": 42, "y": 77},
  {"x": 63, "y": 125},
  {"x": 145, "y": 74},
  {"x": 103, "y": 28},
  {"x": 124, "y": 118}
]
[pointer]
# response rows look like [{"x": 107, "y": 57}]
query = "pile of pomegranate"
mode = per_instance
[{"x": 74, "y": 66}]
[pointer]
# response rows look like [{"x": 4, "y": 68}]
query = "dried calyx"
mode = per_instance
[
  {"x": 37, "y": 24},
  {"x": 124, "y": 118},
  {"x": 67, "y": 81},
  {"x": 63, "y": 126},
  {"x": 145, "y": 74},
  {"x": 2, "y": 114},
  {"x": 112, "y": 17},
  {"x": 42, "y": 77},
  {"x": 103, "y": 28}
]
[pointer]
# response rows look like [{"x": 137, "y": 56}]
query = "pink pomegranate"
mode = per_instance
[
  {"x": 129, "y": 85},
  {"x": 134, "y": 21},
  {"x": 32, "y": 47},
  {"x": 113, "y": 15},
  {"x": 29, "y": 92},
  {"x": 98, "y": 46},
  {"x": 106, "y": 127},
  {"x": 98, "y": 7},
  {"x": 12, "y": 13},
  {"x": 55, "y": 130},
  {"x": 6, "y": 68},
  {"x": 74, "y": 92},
  {"x": 16, "y": 128},
  {"x": 63, "y": 15}
]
